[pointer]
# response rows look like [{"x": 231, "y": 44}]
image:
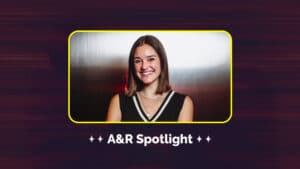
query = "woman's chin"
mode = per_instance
[{"x": 147, "y": 81}]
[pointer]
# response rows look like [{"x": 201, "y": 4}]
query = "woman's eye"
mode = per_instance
[
  {"x": 137, "y": 61},
  {"x": 151, "y": 59}
]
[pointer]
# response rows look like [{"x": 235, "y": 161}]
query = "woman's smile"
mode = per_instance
[{"x": 146, "y": 73}]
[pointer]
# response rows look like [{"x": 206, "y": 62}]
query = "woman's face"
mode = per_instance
[{"x": 147, "y": 64}]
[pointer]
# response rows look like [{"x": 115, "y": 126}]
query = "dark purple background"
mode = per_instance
[{"x": 36, "y": 132}]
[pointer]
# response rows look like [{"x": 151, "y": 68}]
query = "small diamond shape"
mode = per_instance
[
  {"x": 100, "y": 139},
  {"x": 208, "y": 139},
  {"x": 91, "y": 139},
  {"x": 199, "y": 139}
]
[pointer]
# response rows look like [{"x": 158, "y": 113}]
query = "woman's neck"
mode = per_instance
[{"x": 149, "y": 91}]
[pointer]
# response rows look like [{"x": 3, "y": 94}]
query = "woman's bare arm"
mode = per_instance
[
  {"x": 187, "y": 111},
  {"x": 114, "y": 113}
]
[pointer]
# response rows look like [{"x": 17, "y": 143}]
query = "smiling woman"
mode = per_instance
[{"x": 149, "y": 96}]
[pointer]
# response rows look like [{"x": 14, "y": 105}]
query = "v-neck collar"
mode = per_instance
[{"x": 158, "y": 113}]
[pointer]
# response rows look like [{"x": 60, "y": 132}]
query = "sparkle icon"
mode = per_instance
[
  {"x": 91, "y": 139},
  {"x": 199, "y": 139},
  {"x": 208, "y": 139},
  {"x": 100, "y": 139}
]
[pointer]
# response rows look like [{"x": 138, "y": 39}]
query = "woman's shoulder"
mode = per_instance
[
  {"x": 179, "y": 94},
  {"x": 120, "y": 97},
  {"x": 121, "y": 94},
  {"x": 115, "y": 98},
  {"x": 186, "y": 98},
  {"x": 114, "y": 112},
  {"x": 187, "y": 110}
]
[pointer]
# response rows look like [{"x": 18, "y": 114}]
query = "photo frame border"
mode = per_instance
[{"x": 135, "y": 122}]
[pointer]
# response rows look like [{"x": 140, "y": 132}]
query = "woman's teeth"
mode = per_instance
[{"x": 146, "y": 73}]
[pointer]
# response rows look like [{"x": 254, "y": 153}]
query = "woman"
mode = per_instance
[{"x": 148, "y": 96}]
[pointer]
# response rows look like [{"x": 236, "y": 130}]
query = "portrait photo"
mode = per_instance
[{"x": 162, "y": 76}]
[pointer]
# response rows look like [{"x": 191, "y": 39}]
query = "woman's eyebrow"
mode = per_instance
[
  {"x": 151, "y": 56},
  {"x": 137, "y": 57}
]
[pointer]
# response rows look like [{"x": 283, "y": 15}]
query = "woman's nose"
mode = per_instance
[{"x": 144, "y": 65}]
